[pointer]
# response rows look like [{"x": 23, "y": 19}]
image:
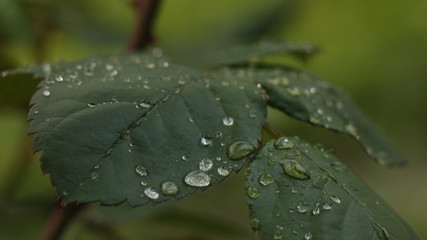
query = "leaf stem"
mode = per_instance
[
  {"x": 275, "y": 133},
  {"x": 58, "y": 221},
  {"x": 142, "y": 35}
]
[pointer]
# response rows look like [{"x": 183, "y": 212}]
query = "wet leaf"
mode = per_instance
[
  {"x": 332, "y": 203},
  {"x": 135, "y": 128},
  {"x": 303, "y": 96}
]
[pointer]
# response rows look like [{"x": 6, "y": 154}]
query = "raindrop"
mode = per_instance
[
  {"x": 252, "y": 192},
  {"x": 294, "y": 190},
  {"x": 143, "y": 183},
  {"x": 150, "y": 65},
  {"x": 144, "y": 104},
  {"x": 252, "y": 113},
  {"x": 294, "y": 169},
  {"x": 218, "y": 134},
  {"x": 197, "y": 178},
  {"x": 308, "y": 236},
  {"x": 283, "y": 143},
  {"x": 228, "y": 121},
  {"x": 185, "y": 158},
  {"x": 327, "y": 205},
  {"x": 157, "y": 52},
  {"x": 254, "y": 223},
  {"x": 169, "y": 188},
  {"x": 335, "y": 199},
  {"x": 303, "y": 207},
  {"x": 94, "y": 176},
  {"x": 59, "y": 78},
  {"x": 266, "y": 179},
  {"x": 313, "y": 90},
  {"x": 218, "y": 159},
  {"x": 151, "y": 193},
  {"x": 205, "y": 164},
  {"x": 239, "y": 150},
  {"x": 351, "y": 130},
  {"x": 206, "y": 140},
  {"x": 223, "y": 171},
  {"x": 277, "y": 235},
  {"x": 46, "y": 93},
  {"x": 316, "y": 211},
  {"x": 91, "y": 104},
  {"x": 141, "y": 171}
]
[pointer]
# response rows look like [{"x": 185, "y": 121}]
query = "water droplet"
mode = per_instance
[
  {"x": 157, "y": 52},
  {"x": 218, "y": 134},
  {"x": 205, "y": 164},
  {"x": 252, "y": 192},
  {"x": 239, "y": 150},
  {"x": 254, "y": 223},
  {"x": 294, "y": 169},
  {"x": 218, "y": 159},
  {"x": 351, "y": 129},
  {"x": 150, "y": 65},
  {"x": 228, "y": 121},
  {"x": 313, "y": 90},
  {"x": 303, "y": 207},
  {"x": 308, "y": 236},
  {"x": 144, "y": 104},
  {"x": 59, "y": 78},
  {"x": 143, "y": 183},
  {"x": 294, "y": 190},
  {"x": 197, "y": 178},
  {"x": 46, "y": 93},
  {"x": 91, "y": 104},
  {"x": 335, "y": 199},
  {"x": 151, "y": 193},
  {"x": 283, "y": 143},
  {"x": 327, "y": 205},
  {"x": 185, "y": 158},
  {"x": 277, "y": 235},
  {"x": 316, "y": 211},
  {"x": 294, "y": 91},
  {"x": 266, "y": 179},
  {"x": 169, "y": 188},
  {"x": 252, "y": 113},
  {"x": 206, "y": 140},
  {"x": 94, "y": 176},
  {"x": 141, "y": 171},
  {"x": 223, "y": 171},
  {"x": 271, "y": 162}
]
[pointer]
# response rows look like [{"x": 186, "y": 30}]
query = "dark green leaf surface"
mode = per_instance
[
  {"x": 255, "y": 51},
  {"x": 305, "y": 97},
  {"x": 115, "y": 129},
  {"x": 329, "y": 203}
]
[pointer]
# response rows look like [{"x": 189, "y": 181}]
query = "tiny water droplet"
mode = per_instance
[
  {"x": 169, "y": 188},
  {"x": 59, "y": 78},
  {"x": 335, "y": 199},
  {"x": 228, "y": 121},
  {"x": 91, "y": 104},
  {"x": 94, "y": 176},
  {"x": 185, "y": 158},
  {"x": 150, "y": 65},
  {"x": 351, "y": 129},
  {"x": 254, "y": 223},
  {"x": 144, "y": 104},
  {"x": 252, "y": 192},
  {"x": 252, "y": 113},
  {"x": 266, "y": 179},
  {"x": 283, "y": 143},
  {"x": 223, "y": 171},
  {"x": 206, "y": 140},
  {"x": 218, "y": 159},
  {"x": 46, "y": 93},
  {"x": 294, "y": 169},
  {"x": 239, "y": 150},
  {"x": 141, "y": 171},
  {"x": 205, "y": 164},
  {"x": 303, "y": 207},
  {"x": 197, "y": 178},
  {"x": 316, "y": 211},
  {"x": 151, "y": 193},
  {"x": 143, "y": 183},
  {"x": 218, "y": 134},
  {"x": 308, "y": 236},
  {"x": 277, "y": 235}
]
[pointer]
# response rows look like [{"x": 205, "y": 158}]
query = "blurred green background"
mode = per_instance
[{"x": 376, "y": 51}]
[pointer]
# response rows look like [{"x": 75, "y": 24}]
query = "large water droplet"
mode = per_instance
[
  {"x": 206, "y": 140},
  {"x": 197, "y": 178},
  {"x": 205, "y": 164},
  {"x": 223, "y": 171},
  {"x": 266, "y": 179},
  {"x": 151, "y": 193},
  {"x": 335, "y": 199},
  {"x": 239, "y": 150},
  {"x": 283, "y": 143},
  {"x": 169, "y": 188},
  {"x": 308, "y": 236},
  {"x": 228, "y": 121},
  {"x": 141, "y": 171},
  {"x": 252, "y": 192},
  {"x": 294, "y": 169}
]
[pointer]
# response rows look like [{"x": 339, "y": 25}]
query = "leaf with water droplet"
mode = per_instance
[
  {"x": 331, "y": 204},
  {"x": 325, "y": 107},
  {"x": 126, "y": 118}
]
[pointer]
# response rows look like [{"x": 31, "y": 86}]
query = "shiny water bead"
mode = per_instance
[
  {"x": 141, "y": 171},
  {"x": 266, "y": 179},
  {"x": 223, "y": 171},
  {"x": 254, "y": 223},
  {"x": 206, "y": 140},
  {"x": 294, "y": 169},
  {"x": 228, "y": 121},
  {"x": 283, "y": 143},
  {"x": 151, "y": 193},
  {"x": 252, "y": 192},
  {"x": 169, "y": 188},
  {"x": 308, "y": 236},
  {"x": 335, "y": 199},
  {"x": 197, "y": 178},
  {"x": 46, "y": 93},
  {"x": 239, "y": 150},
  {"x": 205, "y": 164}
]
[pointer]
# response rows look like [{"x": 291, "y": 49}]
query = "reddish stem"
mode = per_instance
[{"x": 58, "y": 221}]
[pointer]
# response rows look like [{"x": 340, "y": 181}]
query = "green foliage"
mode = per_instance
[
  {"x": 301, "y": 191},
  {"x": 141, "y": 129}
]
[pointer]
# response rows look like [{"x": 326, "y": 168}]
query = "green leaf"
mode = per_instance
[
  {"x": 303, "y": 96},
  {"x": 256, "y": 51},
  {"x": 329, "y": 202},
  {"x": 139, "y": 129}
]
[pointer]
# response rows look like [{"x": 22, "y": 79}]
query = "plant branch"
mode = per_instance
[
  {"x": 58, "y": 221},
  {"x": 142, "y": 35}
]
